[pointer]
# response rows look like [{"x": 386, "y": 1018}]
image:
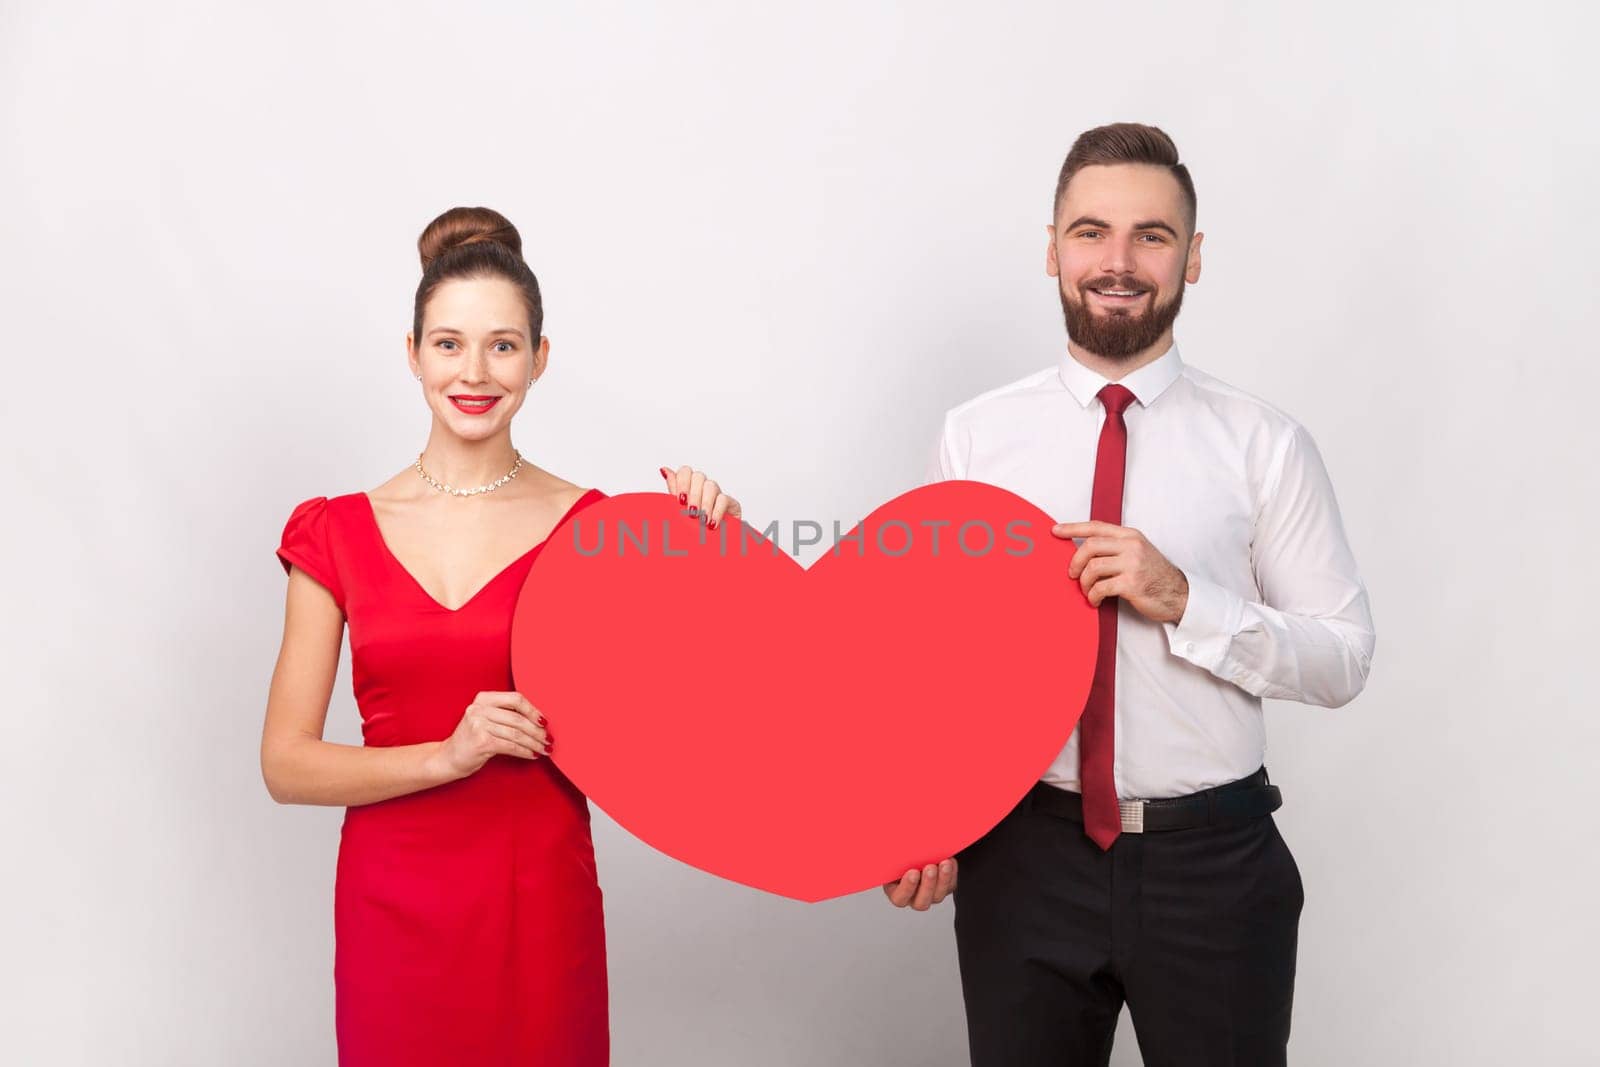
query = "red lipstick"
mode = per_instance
[{"x": 466, "y": 403}]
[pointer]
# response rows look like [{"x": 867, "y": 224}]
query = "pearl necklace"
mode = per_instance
[{"x": 491, "y": 487}]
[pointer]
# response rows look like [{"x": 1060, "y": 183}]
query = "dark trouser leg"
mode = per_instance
[
  {"x": 1034, "y": 937},
  {"x": 1210, "y": 975}
]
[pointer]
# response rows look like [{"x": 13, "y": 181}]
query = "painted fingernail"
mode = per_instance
[
  {"x": 664, "y": 473},
  {"x": 712, "y": 525},
  {"x": 693, "y": 510},
  {"x": 683, "y": 498}
]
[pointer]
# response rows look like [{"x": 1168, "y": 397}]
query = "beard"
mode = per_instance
[{"x": 1118, "y": 334}]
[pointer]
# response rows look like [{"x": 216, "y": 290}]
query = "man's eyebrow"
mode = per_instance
[
  {"x": 1156, "y": 224},
  {"x": 452, "y": 329},
  {"x": 1146, "y": 224}
]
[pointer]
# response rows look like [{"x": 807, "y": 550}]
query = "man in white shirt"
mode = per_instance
[{"x": 1146, "y": 866}]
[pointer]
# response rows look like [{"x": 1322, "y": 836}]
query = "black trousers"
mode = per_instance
[{"x": 1193, "y": 929}]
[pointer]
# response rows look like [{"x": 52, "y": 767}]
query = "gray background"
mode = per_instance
[{"x": 777, "y": 244}]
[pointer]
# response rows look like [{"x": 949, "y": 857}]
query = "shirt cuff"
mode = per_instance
[{"x": 1210, "y": 619}]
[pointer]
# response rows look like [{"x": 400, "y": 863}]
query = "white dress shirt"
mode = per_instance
[{"x": 1234, "y": 492}]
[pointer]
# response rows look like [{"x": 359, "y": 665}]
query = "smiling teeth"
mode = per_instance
[{"x": 1117, "y": 292}]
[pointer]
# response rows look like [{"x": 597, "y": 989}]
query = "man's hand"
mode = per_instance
[
  {"x": 922, "y": 889},
  {"x": 1117, "y": 561}
]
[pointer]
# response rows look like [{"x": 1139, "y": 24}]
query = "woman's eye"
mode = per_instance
[{"x": 510, "y": 345}]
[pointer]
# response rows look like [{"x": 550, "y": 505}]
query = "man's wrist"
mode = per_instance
[{"x": 1181, "y": 600}]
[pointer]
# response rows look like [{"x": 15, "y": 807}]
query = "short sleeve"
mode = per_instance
[{"x": 306, "y": 545}]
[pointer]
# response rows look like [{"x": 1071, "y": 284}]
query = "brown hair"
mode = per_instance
[
  {"x": 1125, "y": 142},
  {"x": 475, "y": 242}
]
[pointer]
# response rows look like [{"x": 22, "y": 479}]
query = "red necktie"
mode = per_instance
[{"x": 1102, "y": 817}]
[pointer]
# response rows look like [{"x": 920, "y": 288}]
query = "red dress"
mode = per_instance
[{"x": 467, "y": 917}]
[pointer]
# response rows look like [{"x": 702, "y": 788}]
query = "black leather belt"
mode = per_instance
[{"x": 1247, "y": 798}]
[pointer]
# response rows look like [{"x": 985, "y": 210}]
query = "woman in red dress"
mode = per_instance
[{"x": 467, "y": 914}]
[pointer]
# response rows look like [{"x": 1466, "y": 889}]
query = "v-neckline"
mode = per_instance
[{"x": 377, "y": 533}]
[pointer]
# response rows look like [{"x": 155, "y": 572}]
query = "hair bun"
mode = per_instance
[{"x": 466, "y": 225}]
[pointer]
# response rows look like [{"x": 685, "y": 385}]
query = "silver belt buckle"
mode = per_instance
[{"x": 1132, "y": 816}]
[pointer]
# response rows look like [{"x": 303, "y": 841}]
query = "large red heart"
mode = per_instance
[{"x": 807, "y": 732}]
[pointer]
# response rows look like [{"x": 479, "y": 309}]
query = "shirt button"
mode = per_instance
[{"x": 1188, "y": 646}]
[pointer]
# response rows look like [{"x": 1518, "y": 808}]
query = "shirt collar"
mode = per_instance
[{"x": 1146, "y": 383}]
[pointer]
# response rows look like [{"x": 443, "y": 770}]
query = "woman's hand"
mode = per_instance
[
  {"x": 495, "y": 723},
  {"x": 701, "y": 495}
]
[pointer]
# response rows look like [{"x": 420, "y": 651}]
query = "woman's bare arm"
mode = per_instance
[{"x": 298, "y": 765}]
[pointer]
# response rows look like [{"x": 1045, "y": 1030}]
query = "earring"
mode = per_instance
[{"x": 419, "y": 377}]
